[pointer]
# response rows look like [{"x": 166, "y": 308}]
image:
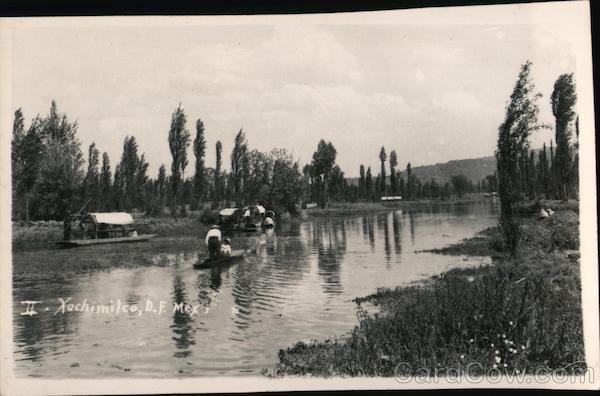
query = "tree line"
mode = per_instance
[
  {"x": 50, "y": 176},
  {"x": 554, "y": 174},
  {"x": 411, "y": 187}
]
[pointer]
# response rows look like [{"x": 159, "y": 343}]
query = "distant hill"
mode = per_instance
[{"x": 474, "y": 169}]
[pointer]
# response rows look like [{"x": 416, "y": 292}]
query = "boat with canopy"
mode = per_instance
[{"x": 101, "y": 228}]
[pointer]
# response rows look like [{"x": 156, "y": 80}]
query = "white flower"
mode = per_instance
[
  {"x": 497, "y": 352},
  {"x": 505, "y": 365},
  {"x": 510, "y": 322},
  {"x": 471, "y": 340},
  {"x": 522, "y": 346},
  {"x": 510, "y": 349},
  {"x": 495, "y": 366},
  {"x": 503, "y": 335},
  {"x": 510, "y": 342},
  {"x": 517, "y": 371},
  {"x": 514, "y": 351},
  {"x": 498, "y": 359},
  {"x": 492, "y": 344},
  {"x": 462, "y": 356}
]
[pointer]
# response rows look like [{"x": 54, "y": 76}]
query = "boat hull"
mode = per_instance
[
  {"x": 253, "y": 228},
  {"x": 235, "y": 257},
  {"x": 102, "y": 241}
]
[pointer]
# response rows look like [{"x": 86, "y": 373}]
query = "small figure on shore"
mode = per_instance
[
  {"x": 213, "y": 242},
  {"x": 83, "y": 230},
  {"x": 226, "y": 248},
  {"x": 67, "y": 227},
  {"x": 543, "y": 214}
]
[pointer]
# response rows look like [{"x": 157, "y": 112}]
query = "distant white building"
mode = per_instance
[{"x": 392, "y": 198}]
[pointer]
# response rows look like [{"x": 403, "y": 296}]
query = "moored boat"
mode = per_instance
[
  {"x": 87, "y": 242},
  {"x": 240, "y": 219},
  {"x": 102, "y": 228},
  {"x": 268, "y": 219}
]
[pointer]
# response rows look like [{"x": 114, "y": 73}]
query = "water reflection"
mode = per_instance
[
  {"x": 396, "y": 222},
  {"x": 35, "y": 335},
  {"x": 411, "y": 216},
  {"x": 330, "y": 239},
  {"x": 383, "y": 223},
  {"x": 295, "y": 283},
  {"x": 370, "y": 231},
  {"x": 182, "y": 321}
]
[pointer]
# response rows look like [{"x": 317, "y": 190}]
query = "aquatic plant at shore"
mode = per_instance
[{"x": 517, "y": 316}]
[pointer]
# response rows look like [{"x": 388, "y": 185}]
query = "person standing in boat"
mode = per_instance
[{"x": 213, "y": 242}]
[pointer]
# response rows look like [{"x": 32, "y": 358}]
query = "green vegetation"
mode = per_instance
[
  {"x": 356, "y": 208},
  {"x": 517, "y": 315},
  {"x": 518, "y": 175},
  {"x": 564, "y": 100}
]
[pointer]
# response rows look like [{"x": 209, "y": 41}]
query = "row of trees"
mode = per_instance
[
  {"x": 50, "y": 176},
  {"x": 412, "y": 187},
  {"x": 50, "y": 179},
  {"x": 519, "y": 175}
]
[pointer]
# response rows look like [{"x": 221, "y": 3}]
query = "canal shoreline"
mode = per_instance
[
  {"x": 516, "y": 315},
  {"x": 42, "y": 235},
  {"x": 358, "y": 208}
]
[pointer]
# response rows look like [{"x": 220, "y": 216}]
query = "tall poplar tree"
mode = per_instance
[
  {"x": 199, "y": 187},
  {"x": 218, "y": 179},
  {"x": 382, "y": 158},
  {"x": 393, "y": 175},
  {"x": 91, "y": 183},
  {"x": 17, "y": 162},
  {"x": 369, "y": 184},
  {"x": 361, "y": 182},
  {"x": 513, "y": 140},
  {"x": 105, "y": 184},
  {"x": 239, "y": 166},
  {"x": 564, "y": 99},
  {"x": 179, "y": 141}
]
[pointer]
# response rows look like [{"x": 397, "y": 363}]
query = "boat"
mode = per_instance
[
  {"x": 268, "y": 222},
  {"x": 233, "y": 258},
  {"x": 103, "y": 228},
  {"x": 268, "y": 219},
  {"x": 245, "y": 219},
  {"x": 87, "y": 242}
]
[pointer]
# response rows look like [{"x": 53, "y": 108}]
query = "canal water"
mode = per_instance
[{"x": 295, "y": 284}]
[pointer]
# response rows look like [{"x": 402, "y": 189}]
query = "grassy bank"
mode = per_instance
[
  {"x": 517, "y": 315},
  {"x": 358, "y": 208}
]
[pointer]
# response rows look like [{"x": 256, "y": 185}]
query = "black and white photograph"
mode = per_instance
[{"x": 395, "y": 199}]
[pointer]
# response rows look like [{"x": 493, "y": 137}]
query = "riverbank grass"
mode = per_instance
[{"x": 516, "y": 315}]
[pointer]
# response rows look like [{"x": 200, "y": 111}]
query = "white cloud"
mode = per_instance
[{"x": 415, "y": 89}]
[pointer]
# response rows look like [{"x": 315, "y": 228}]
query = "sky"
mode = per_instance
[{"x": 431, "y": 84}]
